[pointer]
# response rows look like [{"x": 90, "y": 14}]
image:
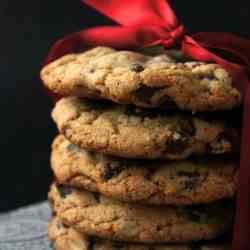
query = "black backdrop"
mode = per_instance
[{"x": 27, "y": 29}]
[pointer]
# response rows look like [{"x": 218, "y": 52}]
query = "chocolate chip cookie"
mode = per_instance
[
  {"x": 129, "y": 77},
  {"x": 67, "y": 238},
  {"x": 156, "y": 182},
  {"x": 97, "y": 215},
  {"x": 130, "y": 132}
]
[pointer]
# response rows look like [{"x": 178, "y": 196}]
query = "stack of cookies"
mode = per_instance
[{"x": 143, "y": 160}]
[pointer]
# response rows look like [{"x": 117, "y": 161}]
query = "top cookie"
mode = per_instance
[{"x": 146, "y": 81}]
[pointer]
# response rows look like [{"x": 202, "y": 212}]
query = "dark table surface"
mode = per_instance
[{"x": 28, "y": 28}]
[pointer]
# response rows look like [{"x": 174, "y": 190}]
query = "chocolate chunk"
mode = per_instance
[
  {"x": 113, "y": 169},
  {"x": 191, "y": 179},
  {"x": 136, "y": 67},
  {"x": 182, "y": 132},
  {"x": 145, "y": 93},
  {"x": 64, "y": 191}
]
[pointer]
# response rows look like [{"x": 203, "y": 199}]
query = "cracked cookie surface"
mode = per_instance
[
  {"x": 67, "y": 238},
  {"x": 130, "y": 132},
  {"x": 150, "y": 182},
  {"x": 100, "y": 216},
  {"x": 147, "y": 81}
]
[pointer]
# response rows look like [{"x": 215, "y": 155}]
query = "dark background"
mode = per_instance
[{"x": 28, "y": 28}]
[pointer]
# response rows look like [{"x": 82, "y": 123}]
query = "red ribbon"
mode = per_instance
[{"x": 144, "y": 23}]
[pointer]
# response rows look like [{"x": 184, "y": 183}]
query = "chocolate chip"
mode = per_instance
[
  {"x": 72, "y": 147},
  {"x": 113, "y": 169},
  {"x": 182, "y": 132},
  {"x": 191, "y": 179},
  {"x": 64, "y": 191},
  {"x": 136, "y": 67},
  {"x": 92, "y": 70},
  {"x": 145, "y": 93}
]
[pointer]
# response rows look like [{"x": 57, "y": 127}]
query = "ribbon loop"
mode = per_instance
[
  {"x": 155, "y": 35},
  {"x": 136, "y": 12},
  {"x": 152, "y": 19}
]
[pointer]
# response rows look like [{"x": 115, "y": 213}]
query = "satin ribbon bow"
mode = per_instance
[{"x": 143, "y": 23}]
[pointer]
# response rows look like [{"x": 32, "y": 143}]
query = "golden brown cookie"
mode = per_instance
[
  {"x": 147, "y": 81},
  {"x": 67, "y": 238},
  {"x": 130, "y": 132},
  {"x": 96, "y": 215},
  {"x": 191, "y": 181}
]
